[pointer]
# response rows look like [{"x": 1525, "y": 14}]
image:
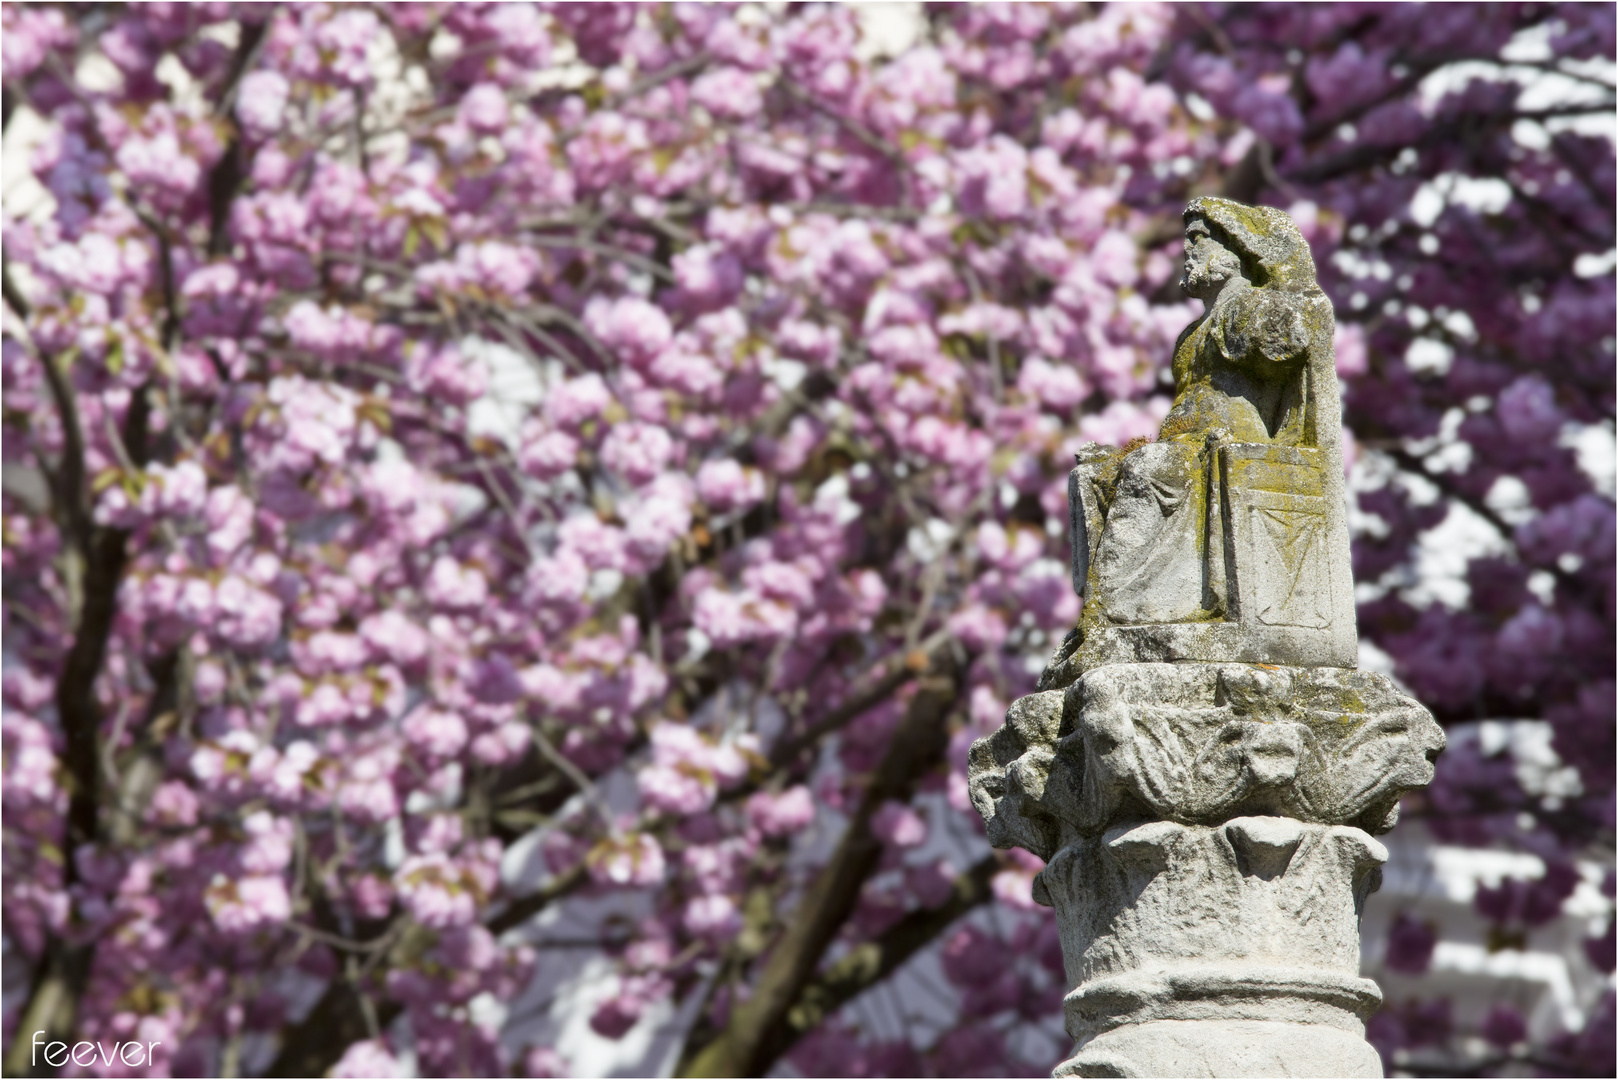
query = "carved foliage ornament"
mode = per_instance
[{"x": 1198, "y": 744}]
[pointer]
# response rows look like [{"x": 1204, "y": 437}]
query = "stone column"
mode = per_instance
[
  {"x": 1202, "y": 768},
  {"x": 1207, "y": 830}
]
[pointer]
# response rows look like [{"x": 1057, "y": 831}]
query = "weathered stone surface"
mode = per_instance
[
  {"x": 1224, "y": 1048},
  {"x": 1142, "y": 900},
  {"x": 1254, "y": 920},
  {"x": 1201, "y": 766},
  {"x": 1198, "y": 743}
]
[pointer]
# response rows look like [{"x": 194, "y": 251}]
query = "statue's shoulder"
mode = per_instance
[
  {"x": 1272, "y": 324},
  {"x": 1190, "y": 330}
]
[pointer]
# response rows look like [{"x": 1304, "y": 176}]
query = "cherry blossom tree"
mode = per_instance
[{"x": 423, "y": 418}]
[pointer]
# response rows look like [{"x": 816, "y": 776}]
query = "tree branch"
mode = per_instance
[
  {"x": 73, "y": 514},
  {"x": 225, "y": 178},
  {"x": 1413, "y": 464},
  {"x": 859, "y": 131},
  {"x": 1367, "y": 154},
  {"x": 901, "y": 669},
  {"x": 64, "y": 968},
  {"x": 337, "y": 1021},
  {"x": 524, "y": 908},
  {"x": 744, "y": 1047},
  {"x": 869, "y": 963}
]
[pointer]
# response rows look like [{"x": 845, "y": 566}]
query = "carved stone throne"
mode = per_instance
[{"x": 1201, "y": 766}]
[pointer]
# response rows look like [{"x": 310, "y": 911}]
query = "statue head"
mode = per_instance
[
  {"x": 1209, "y": 264},
  {"x": 1270, "y": 251}
]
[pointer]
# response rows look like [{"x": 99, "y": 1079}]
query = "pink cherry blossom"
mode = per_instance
[
  {"x": 729, "y": 485},
  {"x": 247, "y": 903},
  {"x": 576, "y": 400},
  {"x": 452, "y": 584},
  {"x": 634, "y": 327},
  {"x": 436, "y": 733},
  {"x": 484, "y": 108},
  {"x": 637, "y": 452},
  {"x": 635, "y": 861},
  {"x": 261, "y": 102},
  {"x": 783, "y": 814},
  {"x": 369, "y": 1057},
  {"x": 897, "y": 824},
  {"x": 549, "y": 454}
]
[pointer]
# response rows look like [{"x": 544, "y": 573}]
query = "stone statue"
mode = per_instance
[
  {"x": 1225, "y": 539},
  {"x": 1202, "y": 767}
]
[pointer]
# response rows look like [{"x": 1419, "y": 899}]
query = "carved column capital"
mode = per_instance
[{"x": 1207, "y": 830}]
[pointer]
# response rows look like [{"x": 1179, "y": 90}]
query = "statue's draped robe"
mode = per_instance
[{"x": 1244, "y": 378}]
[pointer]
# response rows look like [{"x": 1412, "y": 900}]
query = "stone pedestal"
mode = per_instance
[{"x": 1207, "y": 832}]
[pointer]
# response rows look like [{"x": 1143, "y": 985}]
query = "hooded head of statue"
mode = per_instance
[{"x": 1274, "y": 254}]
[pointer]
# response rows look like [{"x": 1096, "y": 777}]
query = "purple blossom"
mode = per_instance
[
  {"x": 1528, "y": 412},
  {"x": 261, "y": 102},
  {"x": 1266, "y": 107},
  {"x": 783, "y": 814},
  {"x": 1410, "y": 945},
  {"x": 1503, "y": 1026},
  {"x": 729, "y": 485}
]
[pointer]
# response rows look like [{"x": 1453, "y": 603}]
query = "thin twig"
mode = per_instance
[
  {"x": 633, "y": 258},
  {"x": 586, "y": 786},
  {"x": 337, "y": 941},
  {"x": 860, "y": 700}
]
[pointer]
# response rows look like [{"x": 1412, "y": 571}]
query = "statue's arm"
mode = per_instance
[{"x": 1263, "y": 328}]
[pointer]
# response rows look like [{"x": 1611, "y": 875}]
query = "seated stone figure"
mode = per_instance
[{"x": 1226, "y": 539}]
